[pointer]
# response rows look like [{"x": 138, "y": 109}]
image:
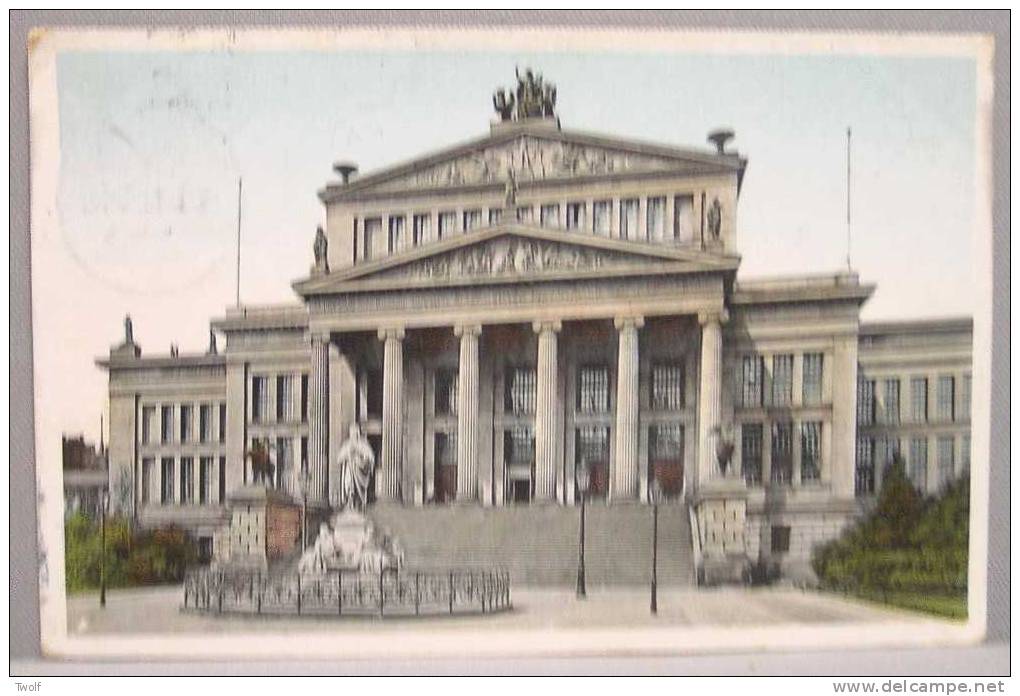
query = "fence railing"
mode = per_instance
[{"x": 387, "y": 593}]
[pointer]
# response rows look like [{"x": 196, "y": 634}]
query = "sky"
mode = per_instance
[{"x": 152, "y": 145}]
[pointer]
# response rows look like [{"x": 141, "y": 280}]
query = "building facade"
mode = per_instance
[{"x": 501, "y": 314}]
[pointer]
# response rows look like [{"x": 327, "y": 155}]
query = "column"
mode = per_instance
[
  {"x": 467, "y": 413},
  {"x": 393, "y": 414},
  {"x": 318, "y": 422},
  {"x": 625, "y": 462},
  {"x": 710, "y": 392},
  {"x": 545, "y": 411}
]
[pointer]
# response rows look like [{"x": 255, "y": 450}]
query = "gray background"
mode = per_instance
[{"x": 989, "y": 658}]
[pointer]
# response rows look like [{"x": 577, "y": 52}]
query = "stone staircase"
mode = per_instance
[{"x": 538, "y": 543}]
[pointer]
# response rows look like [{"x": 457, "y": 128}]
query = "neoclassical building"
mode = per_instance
[{"x": 500, "y": 314}]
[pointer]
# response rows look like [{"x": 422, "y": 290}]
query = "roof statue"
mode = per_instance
[
  {"x": 319, "y": 249},
  {"x": 533, "y": 98},
  {"x": 129, "y": 332}
]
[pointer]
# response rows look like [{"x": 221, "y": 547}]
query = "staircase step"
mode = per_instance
[{"x": 538, "y": 544}]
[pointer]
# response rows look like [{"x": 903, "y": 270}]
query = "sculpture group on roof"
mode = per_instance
[{"x": 533, "y": 98}]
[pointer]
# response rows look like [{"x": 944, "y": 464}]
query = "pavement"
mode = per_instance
[{"x": 158, "y": 611}]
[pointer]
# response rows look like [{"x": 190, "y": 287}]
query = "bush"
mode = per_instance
[
  {"x": 139, "y": 558},
  {"x": 905, "y": 545}
]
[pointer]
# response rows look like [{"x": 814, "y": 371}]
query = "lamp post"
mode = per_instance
[
  {"x": 582, "y": 479},
  {"x": 656, "y": 494},
  {"x": 104, "y": 501}
]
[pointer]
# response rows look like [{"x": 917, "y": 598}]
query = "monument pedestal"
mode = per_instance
[
  {"x": 721, "y": 509},
  {"x": 265, "y": 525}
]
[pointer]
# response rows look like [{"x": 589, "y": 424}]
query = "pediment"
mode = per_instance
[
  {"x": 515, "y": 253},
  {"x": 529, "y": 156}
]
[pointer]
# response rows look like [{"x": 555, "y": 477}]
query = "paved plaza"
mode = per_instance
[{"x": 157, "y": 610}]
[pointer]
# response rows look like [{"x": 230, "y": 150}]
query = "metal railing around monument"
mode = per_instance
[{"x": 342, "y": 593}]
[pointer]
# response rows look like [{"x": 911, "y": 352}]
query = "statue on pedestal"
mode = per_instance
[
  {"x": 724, "y": 446},
  {"x": 212, "y": 343},
  {"x": 714, "y": 219},
  {"x": 357, "y": 463},
  {"x": 129, "y": 332}
]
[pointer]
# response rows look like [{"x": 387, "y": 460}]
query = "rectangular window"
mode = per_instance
[
  {"x": 398, "y": 234},
  {"x": 593, "y": 389},
  {"x": 889, "y": 451},
  {"x": 285, "y": 465},
  {"x": 520, "y": 390},
  {"x": 782, "y": 380},
  {"x": 945, "y": 459},
  {"x": 917, "y": 466},
  {"x": 780, "y": 539},
  {"x": 750, "y": 452},
  {"x": 892, "y": 402},
  {"x": 223, "y": 423},
  {"x": 285, "y": 398},
  {"x": 259, "y": 398},
  {"x": 782, "y": 453},
  {"x": 919, "y": 399},
  {"x": 370, "y": 397},
  {"x": 147, "y": 466},
  {"x": 965, "y": 387},
  {"x": 668, "y": 387},
  {"x": 629, "y": 218},
  {"x": 187, "y": 416},
  {"x": 446, "y": 392},
  {"x": 575, "y": 216},
  {"x": 148, "y": 421},
  {"x": 945, "y": 398},
  {"x": 519, "y": 445},
  {"x": 810, "y": 451},
  {"x": 495, "y": 216},
  {"x": 303, "y": 455},
  {"x": 472, "y": 220},
  {"x": 593, "y": 446},
  {"x": 166, "y": 423},
  {"x": 864, "y": 481},
  {"x": 187, "y": 480},
  {"x": 666, "y": 443},
  {"x": 373, "y": 233},
  {"x": 865, "y": 401},
  {"x": 166, "y": 481},
  {"x": 751, "y": 381},
  {"x": 422, "y": 228},
  {"x": 221, "y": 489},
  {"x": 525, "y": 214},
  {"x": 683, "y": 218},
  {"x": 655, "y": 218},
  {"x": 205, "y": 423},
  {"x": 601, "y": 218},
  {"x": 812, "y": 379},
  {"x": 447, "y": 224},
  {"x": 206, "y": 477},
  {"x": 304, "y": 398},
  {"x": 965, "y": 453},
  {"x": 549, "y": 216},
  {"x": 446, "y": 449}
]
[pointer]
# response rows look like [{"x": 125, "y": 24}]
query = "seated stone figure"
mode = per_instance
[{"x": 357, "y": 464}]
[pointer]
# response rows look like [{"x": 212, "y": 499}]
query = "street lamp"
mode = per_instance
[
  {"x": 104, "y": 501},
  {"x": 655, "y": 492},
  {"x": 583, "y": 479}
]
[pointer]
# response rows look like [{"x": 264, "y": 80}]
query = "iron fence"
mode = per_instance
[{"x": 342, "y": 593}]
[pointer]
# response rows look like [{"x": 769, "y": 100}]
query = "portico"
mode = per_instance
[{"x": 491, "y": 388}]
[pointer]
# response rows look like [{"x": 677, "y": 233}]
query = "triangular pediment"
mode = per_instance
[
  {"x": 535, "y": 155},
  {"x": 515, "y": 253}
]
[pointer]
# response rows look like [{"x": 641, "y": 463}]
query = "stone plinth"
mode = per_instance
[
  {"x": 265, "y": 525},
  {"x": 721, "y": 508}
]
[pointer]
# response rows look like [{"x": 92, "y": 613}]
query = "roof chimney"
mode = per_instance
[
  {"x": 345, "y": 170},
  {"x": 720, "y": 137}
]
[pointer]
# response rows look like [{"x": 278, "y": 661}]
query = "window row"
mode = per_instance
[
  {"x": 769, "y": 381},
  {"x": 279, "y": 398},
  {"x": 288, "y": 462},
  {"x": 176, "y": 481},
  {"x": 781, "y": 460},
  {"x": 381, "y": 235},
  {"x": 184, "y": 423},
  {"x": 880, "y": 402},
  {"x": 874, "y": 455}
]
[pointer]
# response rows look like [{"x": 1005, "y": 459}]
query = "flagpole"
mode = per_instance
[
  {"x": 238, "y": 283},
  {"x": 848, "y": 267}
]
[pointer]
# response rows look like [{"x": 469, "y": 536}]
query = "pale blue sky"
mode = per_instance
[{"x": 151, "y": 146}]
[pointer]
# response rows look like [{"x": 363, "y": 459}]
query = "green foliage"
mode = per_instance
[
  {"x": 139, "y": 558},
  {"x": 908, "y": 546}
]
